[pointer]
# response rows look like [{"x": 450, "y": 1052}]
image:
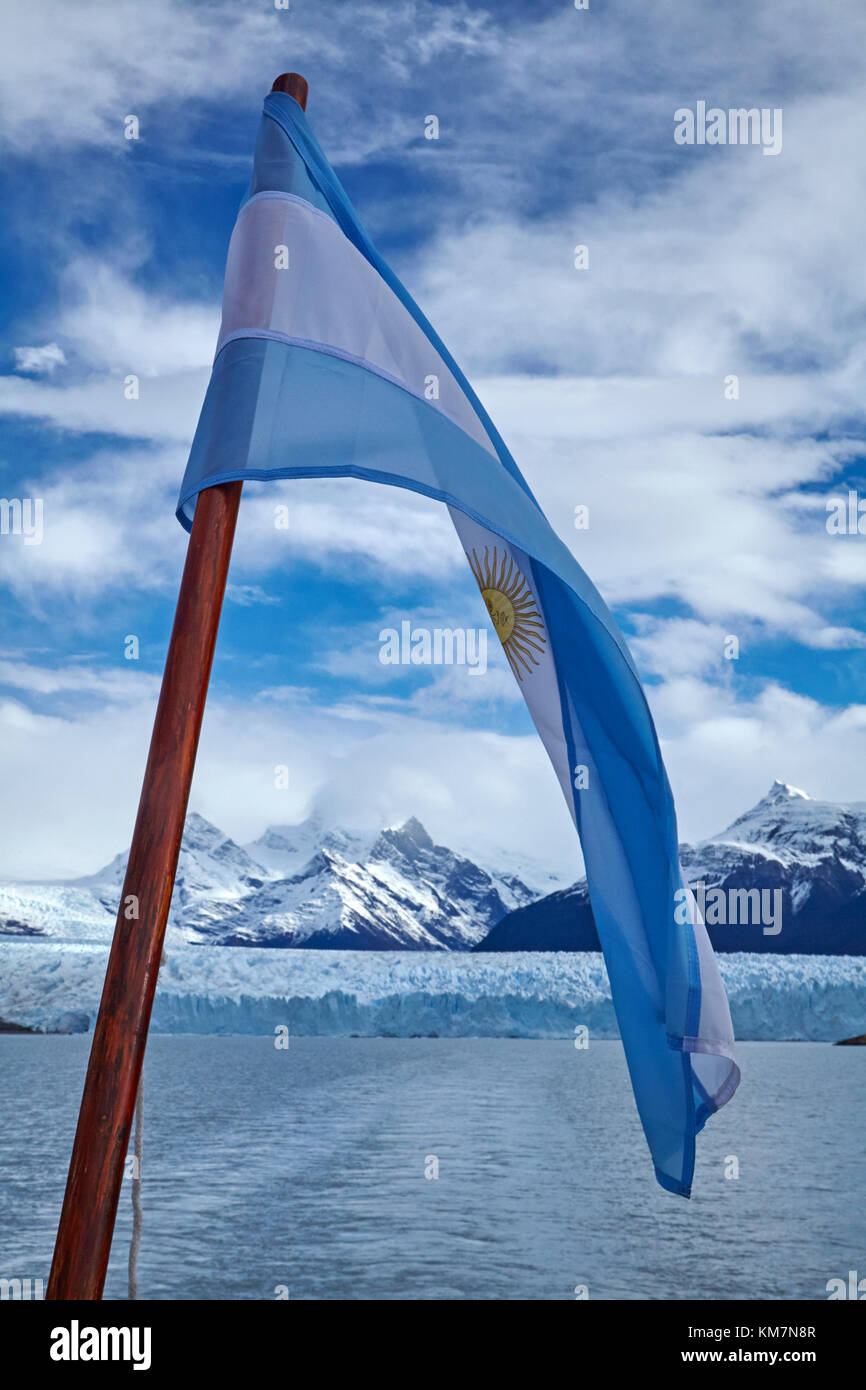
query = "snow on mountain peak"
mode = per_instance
[
  {"x": 199, "y": 833},
  {"x": 406, "y": 841},
  {"x": 286, "y": 849},
  {"x": 311, "y": 884},
  {"x": 784, "y": 809},
  {"x": 415, "y": 831},
  {"x": 783, "y": 791}
]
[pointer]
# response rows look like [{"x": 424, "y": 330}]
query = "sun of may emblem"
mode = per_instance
[{"x": 512, "y": 608}]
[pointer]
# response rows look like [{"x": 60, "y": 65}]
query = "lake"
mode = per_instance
[{"x": 305, "y": 1169}]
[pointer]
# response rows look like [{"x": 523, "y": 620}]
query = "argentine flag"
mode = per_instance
[{"x": 325, "y": 367}]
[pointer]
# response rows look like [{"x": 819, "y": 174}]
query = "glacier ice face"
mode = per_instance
[{"x": 208, "y": 989}]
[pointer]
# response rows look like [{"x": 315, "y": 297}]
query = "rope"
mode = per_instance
[{"x": 135, "y": 1240}]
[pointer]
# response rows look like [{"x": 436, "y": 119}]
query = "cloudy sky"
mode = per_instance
[{"x": 707, "y": 514}]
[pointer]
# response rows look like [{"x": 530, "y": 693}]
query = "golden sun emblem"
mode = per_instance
[{"x": 512, "y": 608}]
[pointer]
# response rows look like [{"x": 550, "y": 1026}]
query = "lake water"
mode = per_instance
[{"x": 306, "y": 1168}]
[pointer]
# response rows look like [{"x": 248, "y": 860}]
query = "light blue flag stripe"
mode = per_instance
[{"x": 277, "y": 407}]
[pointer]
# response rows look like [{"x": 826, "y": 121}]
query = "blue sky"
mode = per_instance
[{"x": 707, "y": 515}]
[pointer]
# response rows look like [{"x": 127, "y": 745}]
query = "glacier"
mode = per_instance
[{"x": 55, "y": 986}]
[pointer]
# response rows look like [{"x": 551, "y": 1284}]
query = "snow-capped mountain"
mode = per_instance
[
  {"x": 323, "y": 886},
  {"x": 812, "y": 853},
  {"x": 299, "y": 885}
]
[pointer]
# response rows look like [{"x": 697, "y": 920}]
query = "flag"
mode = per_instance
[{"x": 326, "y": 367}]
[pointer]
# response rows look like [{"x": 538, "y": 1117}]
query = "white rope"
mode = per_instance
[{"x": 135, "y": 1240}]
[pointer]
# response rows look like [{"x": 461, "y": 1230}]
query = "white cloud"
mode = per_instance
[
  {"x": 119, "y": 327},
  {"x": 250, "y": 596},
  {"x": 107, "y": 524},
  {"x": 723, "y": 752},
  {"x": 676, "y": 647},
  {"x": 166, "y": 61},
  {"x": 361, "y": 766},
  {"x": 111, "y": 686},
  {"x": 730, "y": 266},
  {"x": 716, "y": 522},
  {"x": 356, "y": 530},
  {"x": 39, "y": 359},
  {"x": 167, "y": 407}
]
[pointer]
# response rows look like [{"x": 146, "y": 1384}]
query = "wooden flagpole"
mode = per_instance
[{"x": 120, "y": 1036}]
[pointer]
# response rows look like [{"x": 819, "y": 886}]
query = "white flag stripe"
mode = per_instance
[{"x": 321, "y": 292}]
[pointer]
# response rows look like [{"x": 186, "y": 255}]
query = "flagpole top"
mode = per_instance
[{"x": 294, "y": 85}]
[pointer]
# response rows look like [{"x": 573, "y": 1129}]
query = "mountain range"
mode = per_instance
[
  {"x": 315, "y": 886},
  {"x": 302, "y": 885},
  {"x": 812, "y": 853}
]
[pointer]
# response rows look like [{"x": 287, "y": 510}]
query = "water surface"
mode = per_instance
[{"x": 305, "y": 1168}]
